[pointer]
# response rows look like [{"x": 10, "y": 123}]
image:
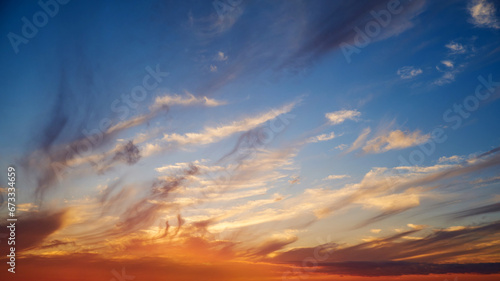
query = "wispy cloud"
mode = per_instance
[
  {"x": 322, "y": 137},
  {"x": 341, "y": 146},
  {"x": 221, "y": 56},
  {"x": 360, "y": 140},
  {"x": 492, "y": 208},
  {"x": 407, "y": 72},
  {"x": 447, "y": 63},
  {"x": 483, "y": 14},
  {"x": 340, "y": 116},
  {"x": 456, "y": 48},
  {"x": 451, "y": 159},
  {"x": 213, "y": 134},
  {"x": 336, "y": 177},
  {"x": 187, "y": 100},
  {"x": 394, "y": 140}
]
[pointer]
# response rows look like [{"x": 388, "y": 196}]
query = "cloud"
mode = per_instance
[
  {"x": 451, "y": 159},
  {"x": 340, "y": 116},
  {"x": 273, "y": 245},
  {"x": 487, "y": 181},
  {"x": 492, "y": 208},
  {"x": 377, "y": 230},
  {"x": 341, "y": 146},
  {"x": 186, "y": 100},
  {"x": 221, "y": 56},
  {"x": 322, "y": 137},
  {"x": 360, "y": 140},
  {"x": 336, "y": 177},
  {"x": 456, "y": 48},
  {"x": 398, "y": 268},
  {"x": 416, "y": 226},
  {"x": 447, "y": 63},
  {"x": 213, "y": 134},
  {"x": 128, "y": 153},
  {"x": 482, "y": 14},
  {"x": 391, "y": 205},
  {"x": 407, "y": 72},
  {"x": 394, "y": 140},
  {"x": 294, "y": 180},
  {"x": 213, "y": 68},
  {"x": 392, "y": 201},
  {"x": 331, "y": 28},
  {"x": 35, "y": 228},
  {"x": 438, "y": 246}
]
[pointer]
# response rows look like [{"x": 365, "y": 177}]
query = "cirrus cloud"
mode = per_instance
[
  {"x": 340, "y": 116},
  {"x": 394, "y": 140},
  {"x": 407, "y": 72}
]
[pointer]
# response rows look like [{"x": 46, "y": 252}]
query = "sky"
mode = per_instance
[{"x": 251, "y": 140}]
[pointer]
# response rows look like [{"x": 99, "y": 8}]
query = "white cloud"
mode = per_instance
[
  {"x": 407, "y": 72},
  {"x": 451, "y": 159},
  {"x": 341, "y": 146},
  {"x": 336, "y": 177},
  {"x": 394, "y": 140},
  {"x": 447, "y": 78},
  {"x": 456, "y": 48},
  {"x": 213, "y": 134},
  {"x": 221, "y": 56},
  {"x": 213, "y": 68},
  {"x": 186, "y": 100},
  {"x": 360, "y": 140},
  {"x": 448, "y": 63},
  {"x": 482, "y": 14},
  {"x": 322, "y": 137},
  {"x": 449, "y": 71},
  {"x": 340, "y": 116}
]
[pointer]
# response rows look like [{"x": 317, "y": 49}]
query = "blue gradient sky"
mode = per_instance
[{"x": 332, "y": 169}]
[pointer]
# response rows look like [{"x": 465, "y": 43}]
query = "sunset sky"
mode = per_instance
[{"x": 251, "y": 140}]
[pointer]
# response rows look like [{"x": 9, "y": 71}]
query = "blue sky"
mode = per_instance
[{"x": 306, "y": 125}]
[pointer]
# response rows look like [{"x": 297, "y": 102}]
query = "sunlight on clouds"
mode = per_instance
[
  {"x": 336, "y": 177},
  {"x": 448, "y": 63},
  {"x": 187, "y": 100},
  {"x": 213, "y": 134},
  {"x": 394, "y": 140},
  {"x": 483, "y": 14},
  {"x": 456, "y": 48},
  {"x": 393, "y": 201},
  {"x": 360, "y": 140},
  {"x": 451, "y": 159},
  {"x": 322, "y": 137},
  {"x": 340, "y": 116}
]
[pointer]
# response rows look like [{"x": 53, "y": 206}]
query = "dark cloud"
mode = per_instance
[
  {"x": 305, "y": 32},
  {"x": 439, "y": 246},
  {"x": 55, "y": 243},
  {"x": 128, "y": 153},
  {"x": 492, "y": 208},
  {"x": 33, "y": 228},
  {"x": 391, "y": 268},
  {"x": 145, "y": 211}
]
